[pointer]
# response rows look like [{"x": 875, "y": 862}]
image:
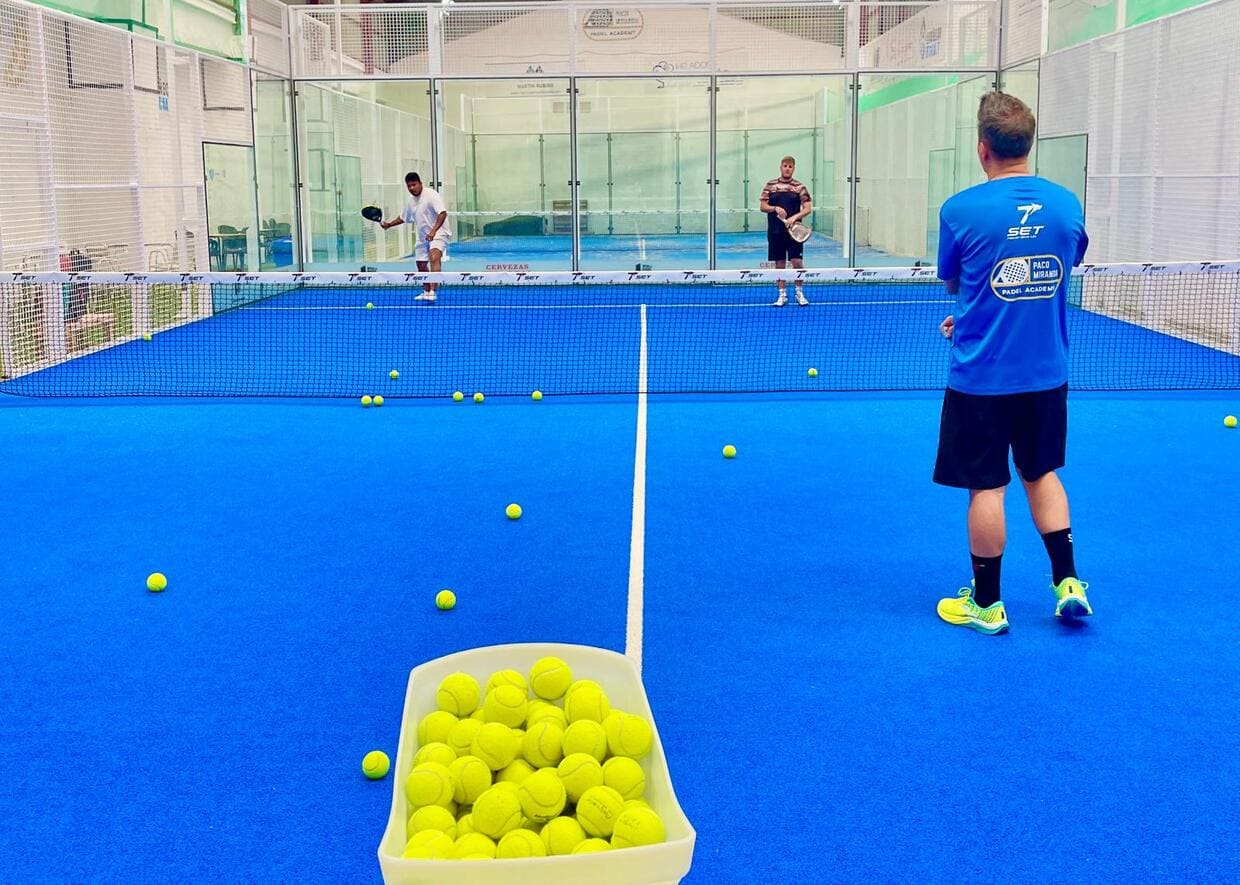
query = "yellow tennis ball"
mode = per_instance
[
  {"x": 478, "y": 397},
  {"x": 474, "y": 845},
  {"x": 541, "y": 711},
  {"x": 376, "y": 764},
  {"x": 445, "y": 600},
  {"x": 813, "y": 373},
  {"x": 625, "y": 776},
  {"x": 586, "y": 700},
  {"x": 542, "y": 795},
  {"x": 507, "y": 677},
  {"x": 156, "y": 582},
  {"x": 586, "y": 736},
  {"x": 550, "y": 678},
  {"x": 513, "y": 511},
  {"x": 436, "y": 751},
  {"x": 459, "y": 694},
  {"x": 506, "y": 704},
  {"x": 590, "y": 846},
  {"x": 146, "y": 336},
  {"x": 393, "y": 374},
  {"x": 496, "y": 813},
  {"x": 543, "y": 745},
  {"x": 366, "y": 401},
  {"x": 628, "y": 734},
  {"x": 521, "y": 843},
  {"x": 1229, "y": 421},
  {"x": 635, "y": 803},
  {"x": 370, "y": 305},
  {"x": 457, "y": 396},
  {"x": 561, "y": 835},
  {"x": 578, "y": 773},
  {"x": 461, "y": 735},
  {"x": 729, "y": 451},
  {"x": 511, "y": 786},
  {"x": 471, "y": 777},
  {"x": 465, "y": 824},
  {"x": 514, "y": 772},
  {"x": 429, "y": 784},
  {"x": 598, "y": 809},
  {"x": 494, "y": 744},
  {"x": 432, "y": 817},
  {"x": 536, "y": 395},
  {"x": 637, "y": 826},
  {"x": 430, "y": 845},
  {"x": 378, "y": 401},
  {"x": 435, "y": 727}
]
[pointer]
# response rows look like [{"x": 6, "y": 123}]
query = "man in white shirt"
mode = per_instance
[{"x": 429, "y": 218}]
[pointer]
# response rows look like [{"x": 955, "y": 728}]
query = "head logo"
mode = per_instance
[{"x": 1028, "y": 209}]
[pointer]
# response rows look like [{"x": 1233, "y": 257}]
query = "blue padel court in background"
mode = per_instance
[{"x": 821, "y": 724}]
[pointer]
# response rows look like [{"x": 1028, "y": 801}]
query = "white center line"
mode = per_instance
[{"x": 637, "y": 543}]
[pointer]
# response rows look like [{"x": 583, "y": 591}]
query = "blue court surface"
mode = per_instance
[{"x": 820, "y": 722}]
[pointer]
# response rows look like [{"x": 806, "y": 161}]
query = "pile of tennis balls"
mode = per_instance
[{"x": 528, "y": 767}]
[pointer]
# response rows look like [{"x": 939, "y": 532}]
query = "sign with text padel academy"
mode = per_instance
[{"x": 609, "y": 23}]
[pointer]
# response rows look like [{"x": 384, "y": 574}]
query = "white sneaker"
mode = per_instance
[
  {"x": 801, "y": 299},
  {"x": 781, "y": 301},
  {"x": 425, "y": 296}
]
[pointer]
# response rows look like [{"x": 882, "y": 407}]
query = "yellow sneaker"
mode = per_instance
[
  {"x": 1070, "y": 599},
  {"x": 964, "y": 612}
]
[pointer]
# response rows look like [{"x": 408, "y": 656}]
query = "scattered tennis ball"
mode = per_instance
[
  {"x": 513, "y": 511},
  {"x": 146, "y": 336},
  {"x": 458, "y": 396},
  {"x": 370, "y": 305},
  {"x": 478, "y": 397},
  {"x": 445, "y": 600},
  {"x": 1229, "y": 421},
  {"x": 376, "y": 764},
  {"x": 393, "y": 374},
  {"x": 536, "y": 395},
  {"x": 366, "y": 401},
  {"x": 550, "y": 678},
  {"x": 813, "y": 373},
  {"x": 378, "y": 401},
  {"x": 729, "y": 451},
  {"x": 156, "y": 582}
]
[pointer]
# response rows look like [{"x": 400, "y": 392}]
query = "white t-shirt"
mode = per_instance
[{"x": 422, "y": 211}]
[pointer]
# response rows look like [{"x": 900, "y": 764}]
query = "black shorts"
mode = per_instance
[
  {"x": 780, "y": 246},
  {"x": 976, "y": 432}
]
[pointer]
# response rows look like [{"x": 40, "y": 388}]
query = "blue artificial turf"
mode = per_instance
[{"x": 823, "y": 725}]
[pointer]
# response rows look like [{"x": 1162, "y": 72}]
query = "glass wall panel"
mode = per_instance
[
  {"x": 273, "y": 149},
  {"x": 759, "y": 120},
  {"x": 232, "y": 213},
  {"x": 643, "y": 162},
  {"x": 359, "y": 141},
  {"x": 506, "y": 169},
  {"x": 1022, "y": 82},
  {"x": 916, "y": 146}
]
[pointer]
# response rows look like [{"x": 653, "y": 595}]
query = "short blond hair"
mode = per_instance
[
  {"x": 788, "y": 159},
  {"x": 1006, "y": 125}
]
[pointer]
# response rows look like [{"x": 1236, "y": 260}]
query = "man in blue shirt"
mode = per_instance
[{"x": 1006, "y": 251}]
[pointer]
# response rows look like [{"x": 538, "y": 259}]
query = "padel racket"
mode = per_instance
[
  {"x": 799, "y": 231},
  {"x": 372, "y": 213}
]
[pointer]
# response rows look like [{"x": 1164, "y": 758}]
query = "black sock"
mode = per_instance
[
  {"x": 1059, "y": 548},
  {"x": 986, "y": 571}
]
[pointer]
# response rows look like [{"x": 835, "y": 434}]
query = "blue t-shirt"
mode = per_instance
[{"x": 1012, "y": 243}]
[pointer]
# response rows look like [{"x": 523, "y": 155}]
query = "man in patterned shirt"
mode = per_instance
[{"x": 786, "y": 201}]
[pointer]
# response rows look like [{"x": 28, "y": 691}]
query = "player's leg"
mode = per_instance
[
  {"x": 799, "y": 264},
  {"x": 1039, "y": 448},
  {"x": 777, "y": 255},
  {"x": 973, "y": 455},
  {"x": 436, "y": 262}
]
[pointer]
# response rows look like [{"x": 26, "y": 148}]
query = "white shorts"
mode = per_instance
[{"x": 422, "y": 251}]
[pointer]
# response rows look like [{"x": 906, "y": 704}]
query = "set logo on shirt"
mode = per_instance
[{"x": 1025, "y": 230}]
